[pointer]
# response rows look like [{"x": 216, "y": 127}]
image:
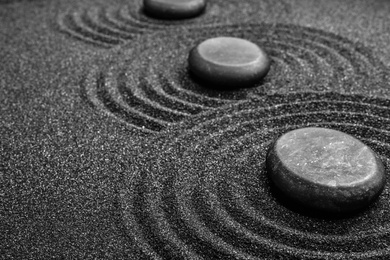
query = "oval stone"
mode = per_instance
[
  {"x": 228, "y": 62},
  {"x": 174, "y": 9},
  {"x": 325, "y": 169}
]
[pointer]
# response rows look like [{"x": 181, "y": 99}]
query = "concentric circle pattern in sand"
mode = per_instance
[
  {"x": 107, "y": 26},
  {"x": 147, "y": 85},
  {"x": 200, "y": 190}
]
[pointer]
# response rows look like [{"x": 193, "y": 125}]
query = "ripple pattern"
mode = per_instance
[
  {"x": 107, "y": 26},
  {"x": 200, "y": 190},
  {"x": 147, "y": 84}
]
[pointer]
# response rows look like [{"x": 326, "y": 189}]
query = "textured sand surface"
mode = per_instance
[{"x": 110, "y": 150}]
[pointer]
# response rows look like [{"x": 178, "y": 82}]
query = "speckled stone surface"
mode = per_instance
[
  {"x": 325, "y": 169},
  {"x": 110, "y": 151}
]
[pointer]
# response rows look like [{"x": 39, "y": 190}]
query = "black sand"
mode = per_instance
[{"x": 111, "y": 150}]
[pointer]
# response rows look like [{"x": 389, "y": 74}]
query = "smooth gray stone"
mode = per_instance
[
  {"x": 174, "y": 9},
  {"x": 228, "y": 62},
  {"x": 325, "y": 169}
]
